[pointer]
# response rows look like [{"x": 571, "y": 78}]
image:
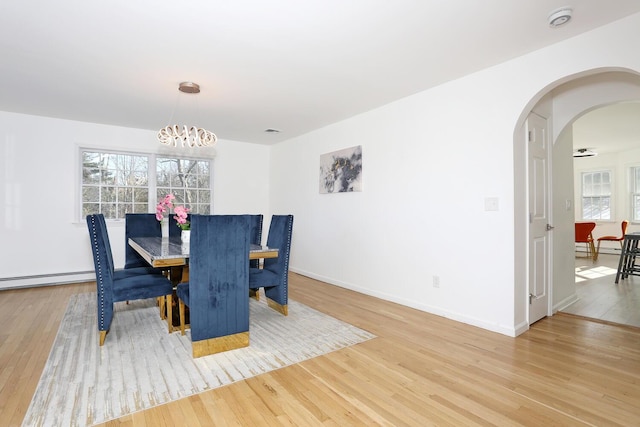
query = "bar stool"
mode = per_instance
[{"x": 627, "y": 265}]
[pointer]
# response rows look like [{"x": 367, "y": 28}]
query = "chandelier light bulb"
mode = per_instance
[{"x": 185, "y": 136}]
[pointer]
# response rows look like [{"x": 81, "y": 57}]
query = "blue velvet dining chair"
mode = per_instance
[
  {"x": 147, "y": 225},
  {"x": 273, "y": 277},
  {"x": 255, "y": 236},
  {"x": 124, "y": 285},
  {"x": 143, "y": 225},
  {"x": 216, "y": 293},
  {"x": 121, "y": 274},
  {"x": 138, "y": 225}
]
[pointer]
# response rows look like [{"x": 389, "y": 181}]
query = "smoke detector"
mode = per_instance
[{"x": 560, "y": 17}]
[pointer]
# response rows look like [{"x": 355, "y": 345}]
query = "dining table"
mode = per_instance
[
  {"x": 172, "y": 251},
  {"x": 629, "y": 257}
]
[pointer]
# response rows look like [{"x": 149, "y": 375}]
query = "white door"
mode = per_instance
[{"x": 539, "y": 227}]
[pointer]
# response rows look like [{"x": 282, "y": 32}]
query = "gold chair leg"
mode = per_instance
[
  {"x": 103, "y": 336},
  {"x": 169, "y": 299},
  {"x": 181, "y": 309},
  {"x": 284, "y": 309},
  {"x": 254, "y": 293}
]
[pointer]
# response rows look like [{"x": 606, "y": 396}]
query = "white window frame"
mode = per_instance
[
  {"x": 596, "y": 190},
  {"x": 634, "y": 191},
  {"x": 153, "y": 190}
]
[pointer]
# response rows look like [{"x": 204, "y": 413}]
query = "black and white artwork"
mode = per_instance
[{"x": 341, "y": 171}]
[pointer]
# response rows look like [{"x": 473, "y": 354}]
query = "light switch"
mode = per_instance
[{"x": 491, "y": 204}]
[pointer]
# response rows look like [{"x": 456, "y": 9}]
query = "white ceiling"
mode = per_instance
[
  {"x": 609, "y": 129},
  {"x": 292, "y": 65}
]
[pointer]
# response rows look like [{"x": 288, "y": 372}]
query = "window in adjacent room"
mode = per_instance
[
  {"x": 117, "y": 183},
  {"x": 596, "y": 195},
  {"x": 635, "y": 193}
]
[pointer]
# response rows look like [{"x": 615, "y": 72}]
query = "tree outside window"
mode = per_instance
[
  {"x": 188, "y": 180},
  {"x": 115, "y": 184}
]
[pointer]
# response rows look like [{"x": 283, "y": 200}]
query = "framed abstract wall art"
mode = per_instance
[{"x": 341, "y": 171}]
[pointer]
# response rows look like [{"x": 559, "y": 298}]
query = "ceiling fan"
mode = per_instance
[{"x": 584, "y": 152}]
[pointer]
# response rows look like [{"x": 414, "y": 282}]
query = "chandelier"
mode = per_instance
[{"x": 183, "y": 135}]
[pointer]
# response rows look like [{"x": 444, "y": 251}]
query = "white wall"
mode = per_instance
[
  {"x": 429, "y": 162},
  {"x": 40, "y": 231},
  {"x": 563, "y": 282}
]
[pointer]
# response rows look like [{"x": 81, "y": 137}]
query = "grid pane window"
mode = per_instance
[
  {"x": 596, "y": 195},
  {"x": 188, "y": 180},
  {"x": 635, "y": 192},
  {"x": 115, "y": 184}
]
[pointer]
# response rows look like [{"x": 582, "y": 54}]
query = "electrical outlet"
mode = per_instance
[{"x": 436, "y": 281}]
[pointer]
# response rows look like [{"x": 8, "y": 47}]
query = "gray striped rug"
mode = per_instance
[{"x": 141, "y": 365}]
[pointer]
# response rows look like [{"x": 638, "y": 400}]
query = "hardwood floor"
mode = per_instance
[
  {"x": 421, "y": 370},
  {"x": 598, "y": 295},
  {"x": 30, "y": 320}
]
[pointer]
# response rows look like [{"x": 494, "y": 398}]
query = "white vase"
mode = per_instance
[
  {"x": 164, "y": 226},
  {"x": 186, "y": 236}
]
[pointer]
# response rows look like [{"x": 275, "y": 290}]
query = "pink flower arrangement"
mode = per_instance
[
  {"x": 180, "y": 211},
  {"x": 181, "y": 216},
  {"x": 164, "y": 206}
]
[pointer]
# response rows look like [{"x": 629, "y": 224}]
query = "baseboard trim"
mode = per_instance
[
  {"x": 52, "y": 279},
  {"x": 508, "y": 330},
  {"x": 565, "y": 303},
  {"x": 601, "y": 321}
]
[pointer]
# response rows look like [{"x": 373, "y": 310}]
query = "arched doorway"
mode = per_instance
[{"x": 561, "y": 103}]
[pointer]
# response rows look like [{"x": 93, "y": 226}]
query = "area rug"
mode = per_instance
[{"x": 141, "y": 365}]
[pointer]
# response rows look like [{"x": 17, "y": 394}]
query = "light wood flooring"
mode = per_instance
[
  {"x": 598, "y": 295},
  {"x": 421, "y": 370}
]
